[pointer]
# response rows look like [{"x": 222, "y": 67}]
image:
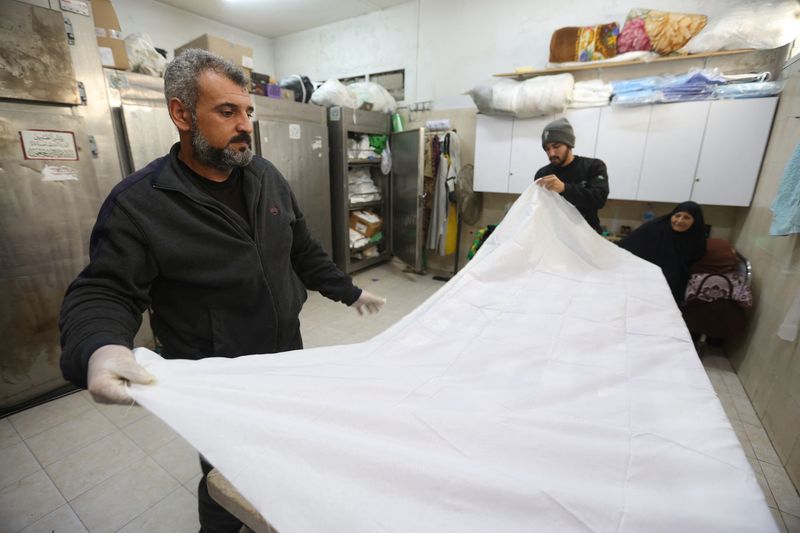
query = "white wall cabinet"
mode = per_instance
[
  {"x": 492, "y": 160},
  {"x": 621, "y": 146},
  {"x": 706, "y": 151},
  {"x": 508, "y": 152},
  {"x": 585, "y": 123},
  {"x": 733, "y": 146},
  {"x": 527, "y": 155},
  {"x": 671, "y": 151}
]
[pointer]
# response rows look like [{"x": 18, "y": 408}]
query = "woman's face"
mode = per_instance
[{"x": 681, "y": 221}]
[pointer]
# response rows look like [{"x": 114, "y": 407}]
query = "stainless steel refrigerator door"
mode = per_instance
[
  {"x": 299, "y": 150},
  {"x": 149, "y": 133},
  {"x": 144, "y": 129},
  {"x": 408, "y": 152},
  {"x": 49, "y": 196},
  {"x": 46, "y": 224},
  {"x": 35, "y": 61}
]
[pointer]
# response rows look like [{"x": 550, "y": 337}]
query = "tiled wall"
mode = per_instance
[{"x": 768, "y": 366}]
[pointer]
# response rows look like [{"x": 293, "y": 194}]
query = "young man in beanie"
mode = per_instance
[{"x": 582, "y": 181}]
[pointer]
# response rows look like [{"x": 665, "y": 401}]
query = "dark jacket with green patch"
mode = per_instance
[{"x": 217, "y": 285}]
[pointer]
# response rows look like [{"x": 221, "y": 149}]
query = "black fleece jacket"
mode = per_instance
[
  {"x": 585, "y": 186},
  {"x": 217, "y": 285}
]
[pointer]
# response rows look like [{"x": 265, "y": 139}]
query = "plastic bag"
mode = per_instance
[
  {"x": 301, "y": 85},
  {"x": 386, "y": 160},
  {"x": 143, "y": 56},
  {"x": 333, "y": 93},
  {"x": 749, "y": 90},
  {"x": 537, "y": 96},
  {"x": 763, "y": 26},
  {"x": 374, "y": 93},
  {"x": 483, "y": 96},
  {"x": 544, "y": 95}
]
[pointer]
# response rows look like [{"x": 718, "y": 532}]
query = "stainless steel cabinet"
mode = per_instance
[
  {"x": 407, "y": 200},
  {"x": 294, "y": 137},
  {"x": 400, "y": 203},
  {"x": 144, "y": 128},
  {"x": 58, "y": 162}
]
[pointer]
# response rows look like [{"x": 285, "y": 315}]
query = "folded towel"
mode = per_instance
[{"x": 786, "y": 206}]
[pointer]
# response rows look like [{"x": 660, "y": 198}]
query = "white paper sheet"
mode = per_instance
[{"x": 550, "y": 386}]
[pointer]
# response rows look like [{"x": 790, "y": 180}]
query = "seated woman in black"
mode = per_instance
[{"x": 674, "y": 242}]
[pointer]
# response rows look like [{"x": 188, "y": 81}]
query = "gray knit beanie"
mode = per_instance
[{"x": 559, "y": 131}]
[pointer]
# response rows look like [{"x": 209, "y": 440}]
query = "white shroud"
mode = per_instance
[{"x": 550, "y": 386}]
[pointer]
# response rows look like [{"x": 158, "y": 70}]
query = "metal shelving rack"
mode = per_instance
[{"x": 342, "y": 122}]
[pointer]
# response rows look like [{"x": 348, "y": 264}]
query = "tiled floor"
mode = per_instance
[{"x": 72, "y": 465}]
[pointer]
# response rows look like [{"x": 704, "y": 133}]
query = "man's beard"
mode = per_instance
[{"x": 220, "y": 158}]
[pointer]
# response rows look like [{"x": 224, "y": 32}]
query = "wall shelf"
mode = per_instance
[{"x": 601, "y": 65}]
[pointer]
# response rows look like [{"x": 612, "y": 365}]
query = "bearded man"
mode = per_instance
[
  {"x": 582, "y": 181},
  {"x": 211, "y": 239}
]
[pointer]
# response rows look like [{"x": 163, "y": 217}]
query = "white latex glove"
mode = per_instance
[
  {"x": 368, "y": 302},
  {"x": 111, "y": 368}
]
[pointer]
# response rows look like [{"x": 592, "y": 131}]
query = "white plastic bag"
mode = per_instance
[
  {"x": 544, "y": 95},
  {"x": 143, "y": 56},
  {"x": 374, "y": 93},
  {"x": 761, "y": 26},
  {"x": 333, "y": 93},
  {"x": 484, "y": 93},
  {"x": 541, "y": 95}
]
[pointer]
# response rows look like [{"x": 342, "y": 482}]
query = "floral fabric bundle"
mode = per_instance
[
  {"x": 587, "y": 43},
  {"x": 659, "y": 31}
]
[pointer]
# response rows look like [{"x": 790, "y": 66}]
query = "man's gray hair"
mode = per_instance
[{"x": 183, "y": 72}]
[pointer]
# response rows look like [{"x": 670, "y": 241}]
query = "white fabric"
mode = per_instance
[
  {"x": 357, "y": 240},
  {"x": 333, "y": 93},
  {"x": 437, "y": 230},
  {"x": 550, "y": 386},
  {"x": 590, "y": 93},
  {"x": 537, "y": 96}
]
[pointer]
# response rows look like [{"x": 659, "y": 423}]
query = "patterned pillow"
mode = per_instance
[
  {"x": 587, "y": 43},
  {"x": 711, "y": 287},
  {"x": 659, "y": 31}
]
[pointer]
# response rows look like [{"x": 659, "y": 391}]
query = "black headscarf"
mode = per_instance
[{"x": 673, "y": 251}]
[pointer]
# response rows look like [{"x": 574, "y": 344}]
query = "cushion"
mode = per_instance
[
  {"x": 720, "y": 257},
  {"x": 587, "y": 43},
  {"x": 660, "y": 31}
]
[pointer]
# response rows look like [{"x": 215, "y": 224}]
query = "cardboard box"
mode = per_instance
[
  {"x": 113, "y": 53},
  {"x": 109, "y": 35},
  {"x": 240, "y": 55},
  {"x": 366, "y": 223}
]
